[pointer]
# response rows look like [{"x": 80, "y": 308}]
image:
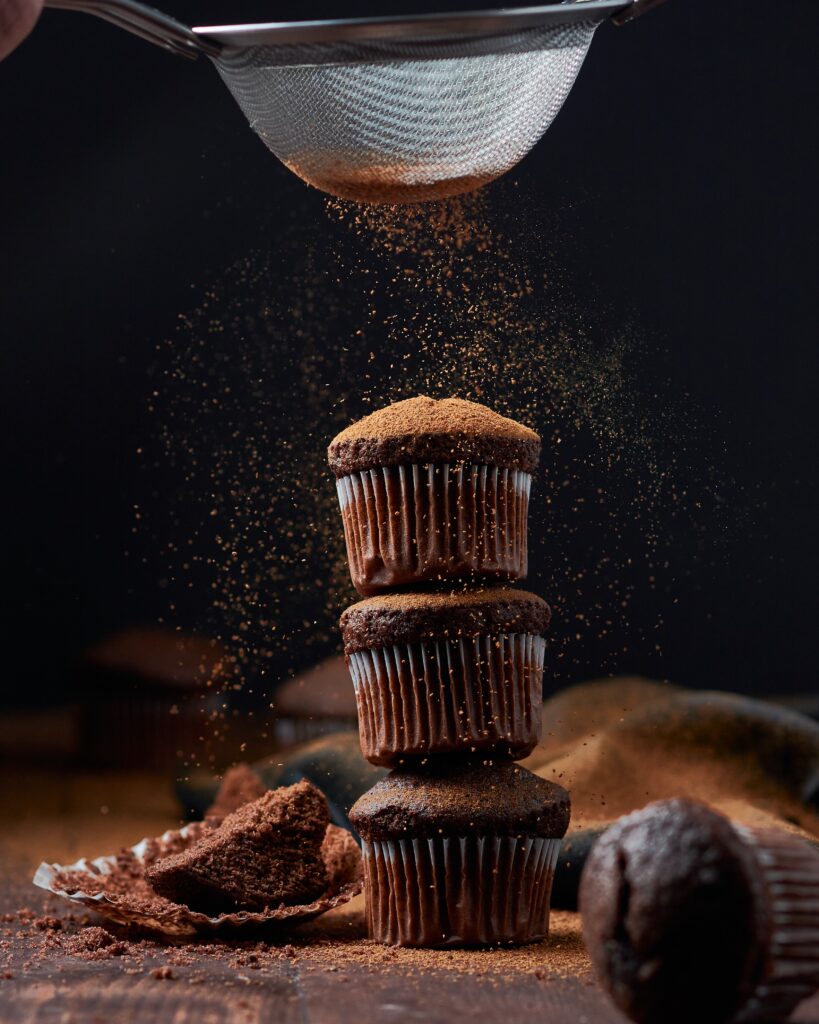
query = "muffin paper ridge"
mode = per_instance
[
  {"x": 443, "y": 696},
  {"x": 415, "y": 523},
  {"x": 790, "y": 871},
  {"x": 459, "y": 890}
]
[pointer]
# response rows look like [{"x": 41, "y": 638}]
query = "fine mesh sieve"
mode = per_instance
[
  {"x": 393, "y": 110},
  {"x": 408, "y": 122}
]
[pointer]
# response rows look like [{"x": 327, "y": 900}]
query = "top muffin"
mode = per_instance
[{"x": 428, "y": 430}]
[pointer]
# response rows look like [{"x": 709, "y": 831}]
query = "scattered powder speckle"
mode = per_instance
[
  {"x": 334, "y": 944},
  {"x": 95, "y": 943},
  {"x": 377, "y": 304}
]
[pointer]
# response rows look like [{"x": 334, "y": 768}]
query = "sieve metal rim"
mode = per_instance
[{"x": 423, "y": 28}]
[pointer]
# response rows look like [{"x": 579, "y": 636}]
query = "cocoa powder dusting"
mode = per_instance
[
  {"x": 336, "y": 944},
  {"x": 95, "y": 943},
  {"x": 423, "y": 415},
  {"x": 382, "y": 183},
  {"x": 461, "y": 298}
]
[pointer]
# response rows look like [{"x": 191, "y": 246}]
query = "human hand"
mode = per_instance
[{"x": 17, "y": 19}]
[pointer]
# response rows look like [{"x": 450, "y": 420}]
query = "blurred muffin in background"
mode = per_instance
[
  {"x": 240, "y": 785},
  {"x": 317, "y": 702},
  {"x": 145, "y": 693}
]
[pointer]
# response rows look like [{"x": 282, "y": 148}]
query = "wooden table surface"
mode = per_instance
[{"x": 331, "y": 973}]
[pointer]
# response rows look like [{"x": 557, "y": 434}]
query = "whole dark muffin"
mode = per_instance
[
  {"x": 460, "y": 853},
  {"x": 687, "y": 917},
  {"x": 430, "y": 489},
  {"x": 447, "y": 672}
]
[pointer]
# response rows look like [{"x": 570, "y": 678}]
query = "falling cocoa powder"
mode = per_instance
[{"x": 376, "y": 304}]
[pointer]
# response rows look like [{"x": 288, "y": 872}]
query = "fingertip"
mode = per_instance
[{"x": 17, "y": 19}]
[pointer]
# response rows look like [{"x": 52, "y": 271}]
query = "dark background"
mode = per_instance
[{"x": 683, "y": 171}]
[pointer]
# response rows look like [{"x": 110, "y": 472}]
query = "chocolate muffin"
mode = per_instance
[
  {"x": 266, "y": 853},
  {"x": 688, "y": 916},
  {"x": 461, "y": 853},
  {"x": 145, "y": 691},
  {"x": 314, "y": 703},
  {"x": 442, "y": 673},
  {"x": 430, "y": 489}
]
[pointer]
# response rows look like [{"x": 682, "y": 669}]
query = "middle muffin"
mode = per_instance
[{"x": 439, "y": 673}]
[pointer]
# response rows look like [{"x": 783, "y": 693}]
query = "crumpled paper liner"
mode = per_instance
[{"x": 157, "y": 914}]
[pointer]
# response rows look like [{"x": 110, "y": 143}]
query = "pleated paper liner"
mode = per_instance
[
  {"x": 459, "y": 891},
  {"x": 84, "y": 883},
  {"x": 408, "y": 524},
  {"x": 790, "y": 887},
  {"x": 481, "y": 694}
]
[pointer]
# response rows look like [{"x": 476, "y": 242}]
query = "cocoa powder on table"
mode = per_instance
[{"x": 335, "y": 943}]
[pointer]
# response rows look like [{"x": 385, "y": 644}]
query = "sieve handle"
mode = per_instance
[
  {"x": 145, "y": 22},
  {"x": 635, "y": 8}
]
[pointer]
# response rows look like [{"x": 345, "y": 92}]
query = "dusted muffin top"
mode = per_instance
[
  {"x": 424, "y": 430},
  {"x": 435, "y": 615},
  {"x": 460, "y": 798},
  {"x": 669, "y": 896}
]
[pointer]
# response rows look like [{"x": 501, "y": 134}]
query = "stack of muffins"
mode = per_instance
[{"x": 459, "y": 842}]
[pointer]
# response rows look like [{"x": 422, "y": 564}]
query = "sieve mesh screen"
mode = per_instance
[{"x": 406, "y": 121}]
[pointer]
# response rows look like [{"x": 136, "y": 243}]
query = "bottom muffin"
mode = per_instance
[{"x": 460, "y": 854}]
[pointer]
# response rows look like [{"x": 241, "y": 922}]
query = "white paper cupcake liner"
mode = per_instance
[
  {"x": 459, "y": 891},
  {"x": 790, "y": 881},
  {"x": 480, "y": 693},
  {"x": 173, "y": 920},
  {"x": 408, "y": 524}
]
